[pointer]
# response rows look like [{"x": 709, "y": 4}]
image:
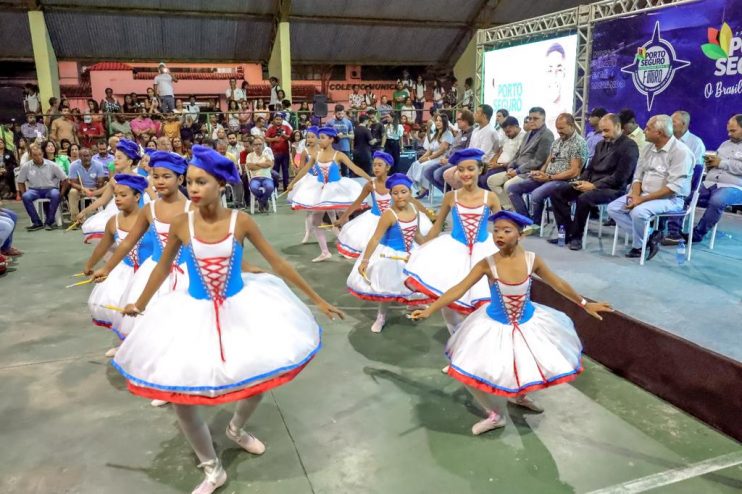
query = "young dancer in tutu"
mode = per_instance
[
  {"x": 328, "y": 191},
  {"x": 378, "y": 274},
  {"x": 512, "y": 346},
  {"x": 446, "y": 259},
  {"x": 126, "y": 195},
  {"x": 167, "y": 171},
  {"x": 308, "y": 154},
  {"x": 125, "y": 162},
  {"x": 221, "y": 340}
]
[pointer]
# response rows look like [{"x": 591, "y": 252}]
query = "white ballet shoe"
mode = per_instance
[
  {"x": 322, "y": 257},
  {"x": 493, "y": 421},
  {"x": 112, "y": 352},
  {"x": 378, "y": 324},
  {"x": 158, "y": 403},
  {"x": 525, "y": 402},
  {"x": 246, "y": 441},
  {"x": 214, "y": 477},
  {"x": 445, "y": 369}
]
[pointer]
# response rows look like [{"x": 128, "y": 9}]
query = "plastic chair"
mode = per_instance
[
  {"x": 712, "y": 241},
  {"x": 687, "y": 213},
  {"x": 41, "y": 211},
  {"x": 602, "y": 210},
  {"x": 272, "y": 199}
]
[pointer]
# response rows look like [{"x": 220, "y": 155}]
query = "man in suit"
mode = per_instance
[
  {"x": 604, "y": 180},
  {"x": 531, "y": 156}
]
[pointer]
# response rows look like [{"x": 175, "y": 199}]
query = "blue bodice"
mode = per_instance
[
  {"x": 458, "y": 231},
  {"x": 393, "y": 238},
  {"x": 521, "y": 310},
  {"x": 157, "y": 247},
  {"x": 330, "y": 174},
  {"x": 141, "y": 251},
  {"x": 199, "y": 287}
]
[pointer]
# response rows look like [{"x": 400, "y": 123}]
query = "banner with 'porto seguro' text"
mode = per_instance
[{"x": 687, "y": 57}]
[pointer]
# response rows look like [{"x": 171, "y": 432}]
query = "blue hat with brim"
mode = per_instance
[
  {"x": 129, "y": 148},
  {"x": 398, "y": 179},
  {"x": 388, "y": 158},
  {"x": 214, "y": 164},
  {"x": 169, "y": 160},
  {"x": 135, "y": 182},
  {"x": 518, "y": 219},
  {"x": 328, "y": 131},
  {"x": 465, "y": 154}
]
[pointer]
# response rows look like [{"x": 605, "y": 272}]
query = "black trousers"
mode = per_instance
[{"x": 584, "y": 202}]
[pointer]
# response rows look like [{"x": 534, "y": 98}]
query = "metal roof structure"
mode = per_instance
[{"x": 434, "y": 32}]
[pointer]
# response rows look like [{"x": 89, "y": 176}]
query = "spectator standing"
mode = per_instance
[
  {"x": 344, "y": 128},
  {"x": 192, "y": 109},
  {"x": 260, "y": 110},
  {"x": 419, "y": 101},
  {"x": 260, "y": 162},
  {"x": 531, "y": 156},
  {"x": 131, "y": 105},
  {"x": 392, "y": 137},
  {"x": 376, "y": 129},
  {"x": 661, "y": 184},
  {"x": 52, "y": 112},
  {"x": 91, "y": 127},
  {"x": 356, "y": 100},
  {"x": 109, "y": 104},
  {"x": 275, "y": 100},
  {"x": 31, "y": 99},
  {"x": 41, "y": 179},
  {"x": 408, "y": 110},
  {"x": 468, "y": 99},
  {"x": 32, "y": 129},
  {"x": 369, "y": 98},
  {"x": 595, "y": 135},
  {"x": 384, "y": 107},
  {"x": 233, "y": 92},
  {"x": 362, "y": 144},
  {"x": 278, "y": 136},
  {"x": 610, "y": 171},
  {"x": 400, "y": 96},
  {"x": 164, "y": 88},
  {"x": 171, "y": 126},
  {"x": 86, "y": 179},
  {"x": 439, "y": 95},
  {"x": 63, "y": 128}
]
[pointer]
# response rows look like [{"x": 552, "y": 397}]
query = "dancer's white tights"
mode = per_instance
[
  {"x": 486, "y": 401},
  {"x": 196, "y": 430},
  {"x": 319, "y": 233}
]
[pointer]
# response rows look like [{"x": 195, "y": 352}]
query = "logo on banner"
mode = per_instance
[
  {"x": 654, "y": 66},
  {"x": 725, "y": 48}
]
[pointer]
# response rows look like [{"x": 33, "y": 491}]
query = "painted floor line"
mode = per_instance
[{"x": 674, "y": 476}]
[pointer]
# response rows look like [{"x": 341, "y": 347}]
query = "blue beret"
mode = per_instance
[
  {"x": 398, "y": 179},
  {"x": 313, "y": 130},
  {"x": 466, "y": 154},
  {"x": 135, "y": 182},
  {"x": 388, "y": 158},
  {"x": 129, "y": 148},
  {"x": 518, "y": 219},
  {"x": 215, "y": 164},
  {"x": 328, "y": 131},
  {"x": 169, "y": 160}
]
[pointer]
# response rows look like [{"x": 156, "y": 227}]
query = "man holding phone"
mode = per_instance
[
  {"x": 278, "y": 136},
  {"x": 164, "y": 88},
  {"x": 603, "y": 181}
]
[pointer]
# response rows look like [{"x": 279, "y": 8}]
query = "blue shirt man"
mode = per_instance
[{"x": 344, "y": 128}]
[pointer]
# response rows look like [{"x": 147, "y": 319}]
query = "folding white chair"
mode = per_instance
[
  {"x": 712, "y": 241},
  {"x": 41, "y": 211},
  {"x": 272, "y": 199}
]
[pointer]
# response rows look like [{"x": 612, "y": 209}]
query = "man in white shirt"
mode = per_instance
[
  {"x": 192, "y": 109},
  {"x": 514, "y": 137},
  {"x": 260, "y": 163},
  {"x": 41, "y": 179},
  {"x": 234, "y": 146},
  {"x": 275, "y": 101},
  {"x": 164, "y": 88},
  {"x": 233, "y": 92}
]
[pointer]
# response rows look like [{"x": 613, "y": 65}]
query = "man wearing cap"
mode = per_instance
[
  {"x": 164, "y": 88},
  {"x": 41, "y": 179}
]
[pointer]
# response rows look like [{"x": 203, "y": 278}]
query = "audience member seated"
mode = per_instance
[
  {"x": 511, "y": 138},
  {"x": 602, "y": 181},
  {"x": 595, "y": 135},
  {"x": 434, "y": 173},
  {"x": 531, "y": 156},
  {"x": 119, "y": 125},
  {"x": 661, "y": 184},
  {"x": 8, "y": 222},
  {"x": 438, "y": 145},
  {"x": 86, "y": 179},
  {"x": 32, "y": 129},
  {"x": 631, "y": 128},
  {"x": 103, "y": 157},
  {"x": 568, "y": 155},
  {"x": 41, "y": 179},
  {"x": 722, "y": 186},
  {"x": 260, "y": 163},
  {"x": 485, "y": 138}
]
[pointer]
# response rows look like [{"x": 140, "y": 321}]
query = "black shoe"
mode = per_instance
[
  {"x": 34, "y": 228},
  {"x": 609, "y": 222},
  {"x": 634, "y": 253},
  {"x": 653, "y": 245},
  {"x": 675, "y": 239},
  {"x": 50, "y": 227},
  {"x": 575, "y": 244},
  {"x": 553, "y": 241}
]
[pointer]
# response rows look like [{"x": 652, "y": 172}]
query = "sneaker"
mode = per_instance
[
  {"x": 322, "y": 257},
  {"x": 493, "y": 421},
  {"x": 214, "y": 477},
  {"x": 34, "y": 228},
  {"x": 246, "y": 441},
  {"x": 525, "y": 402}
]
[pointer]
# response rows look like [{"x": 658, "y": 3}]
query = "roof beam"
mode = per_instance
[
  {"x": 156, "y": 11},
  {"x": 371, "y": 21},
  {"x": 476, "y": 20}
]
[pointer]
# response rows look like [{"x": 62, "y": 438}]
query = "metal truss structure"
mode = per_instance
[{"x": 579, "y": 20}]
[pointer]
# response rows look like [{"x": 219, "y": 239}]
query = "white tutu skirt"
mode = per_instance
[
  {"x": 267, "y": 337},
  {"x": 109, "y": 292},
  {"x": 314, "y": 195},
  {"x": 385, "y": 279},
  {"x": 354, "y": 236},
  {"x": 500, "y": 359},
  {"x": 438, "y": 265},
  {"x": 306, "y": 178},
  {"x": 178, "y": 280},
  {"x": 94, "y": 227}
]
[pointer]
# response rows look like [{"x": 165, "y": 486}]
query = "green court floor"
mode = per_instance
[{"x": 372, "y": 413}]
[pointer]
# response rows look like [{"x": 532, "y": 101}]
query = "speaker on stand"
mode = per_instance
[{"x": 319, "y": 106}]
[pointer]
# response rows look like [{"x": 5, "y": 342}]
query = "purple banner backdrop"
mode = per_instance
[{"x": 687, "y": 57}]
